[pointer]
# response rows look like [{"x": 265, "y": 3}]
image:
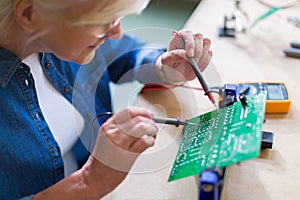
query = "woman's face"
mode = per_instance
[{"x": 76, "y": 43}]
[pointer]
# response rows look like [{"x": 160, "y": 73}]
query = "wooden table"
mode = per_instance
[{"x": 255, "y": 55}]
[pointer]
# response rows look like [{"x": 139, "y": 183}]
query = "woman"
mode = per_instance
[{"x": 48, "y": 99}]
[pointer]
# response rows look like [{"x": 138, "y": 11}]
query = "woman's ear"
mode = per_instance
[{"x": 25, "y": 15}]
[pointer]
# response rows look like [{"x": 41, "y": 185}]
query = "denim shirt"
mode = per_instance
[{"x": 30, "y": 158}]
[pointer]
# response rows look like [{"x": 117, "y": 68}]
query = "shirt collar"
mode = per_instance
[{"x": 9, "y": 63}]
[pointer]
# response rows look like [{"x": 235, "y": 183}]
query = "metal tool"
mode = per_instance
[
  {"x": 172, "y": 121},
  {"x": 199, "y": 75}
]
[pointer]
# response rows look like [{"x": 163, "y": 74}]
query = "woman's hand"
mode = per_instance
[
  {"x": 120, "y": 141},
  {"x": 176, "y": 67},
  {"x": 131, "y": 130}
]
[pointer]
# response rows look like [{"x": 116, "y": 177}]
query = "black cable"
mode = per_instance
[
  {"x": 162, "y": 120},
  {"x": 92, "y": 126}
]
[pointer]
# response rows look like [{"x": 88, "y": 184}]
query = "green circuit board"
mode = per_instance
[{"x": 223, "y": 137}]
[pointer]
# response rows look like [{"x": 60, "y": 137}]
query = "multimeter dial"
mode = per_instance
[
  {"x": 278, "y": 100},
  {"x": 274, "y": 91}
]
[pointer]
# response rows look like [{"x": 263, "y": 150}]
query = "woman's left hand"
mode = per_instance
[{"x": 176, "y": 67}]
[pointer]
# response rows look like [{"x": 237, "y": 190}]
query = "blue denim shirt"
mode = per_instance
[{"x": 30, "y": 158}]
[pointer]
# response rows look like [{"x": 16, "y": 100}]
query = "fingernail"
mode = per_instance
[
  {"x": 151, "y": 114},
  {"x": 174, "y": 32},
  {"x": 191, "y": 53}
]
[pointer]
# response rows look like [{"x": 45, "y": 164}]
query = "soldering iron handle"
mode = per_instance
[
  {"x": 171, "y": 121},
  {"x": 163, "y": 120}
]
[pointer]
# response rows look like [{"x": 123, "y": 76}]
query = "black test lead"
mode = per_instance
[
  {"x": 160, "y": 120},
  {"x": 172, "y": 121},
  {"x": 198, "y": 74}
]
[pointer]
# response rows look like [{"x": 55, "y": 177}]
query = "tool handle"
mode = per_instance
[
  {"x": 295, "y": 45},
  {"x": 172, "y": 121},
  {"x": 199, "y": 75},
  {"x": 292, "y": 52},
  {"x": 196, "y": 69}
]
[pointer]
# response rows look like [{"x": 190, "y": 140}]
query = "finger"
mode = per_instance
[
  {"x": 137, "y": 127},
  {"x": 206, "y": 61},
  {"x": 141, "y": 129},
  {"x": 199, "y": 46},
  {"x": 189, "y": 42},
  {"x": 172, "y": 58},
  {"x": 126, "y": 139},
  {"x": 142, "y": 144},
  {"x": 175, "y": 65},
  {"x": 112, "y": 155},
  {"x": 206, "y": 46},
  {"x": 113, "y": 133},
  {"x": 130, "y": 112}
]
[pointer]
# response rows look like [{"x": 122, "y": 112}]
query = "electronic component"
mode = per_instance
[
  {"x": 211, "y": 183},
  {"x": 209, "y": 187},
  {"x": 228, "y": 95},
  {"x": 230, "y": 90},
  {"x": 267, "y": 140},
  {"x": 243, "y": 100},
  {"x": 278, "y": 97}
]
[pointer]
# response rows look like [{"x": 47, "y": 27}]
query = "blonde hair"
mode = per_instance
[
  {"x": 100, "y": 14},
  {"x": 112, "y": 10},
  {"x": 6, "y": 17}
]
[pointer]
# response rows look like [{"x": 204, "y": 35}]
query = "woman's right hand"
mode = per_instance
[
  {"x": 124, "y": 136},
  {"x": 120, "y": 140}
]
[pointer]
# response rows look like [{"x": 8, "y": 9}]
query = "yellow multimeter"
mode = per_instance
[{"x": 278, "y": 97}]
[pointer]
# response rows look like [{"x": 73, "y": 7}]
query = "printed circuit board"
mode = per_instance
[{"x": 223, "y": 137}]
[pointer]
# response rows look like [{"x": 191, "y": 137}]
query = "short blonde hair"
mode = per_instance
[
  {"x": 112, "y": 10},
  {"x": 6, "y": 17}
]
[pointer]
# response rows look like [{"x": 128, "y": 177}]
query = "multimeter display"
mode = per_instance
[
  {"x": 276, "y": 92},
  {"x": 278, "y": 99}
]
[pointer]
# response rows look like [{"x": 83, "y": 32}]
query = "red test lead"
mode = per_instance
[{"x": 198, "y": 74}]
